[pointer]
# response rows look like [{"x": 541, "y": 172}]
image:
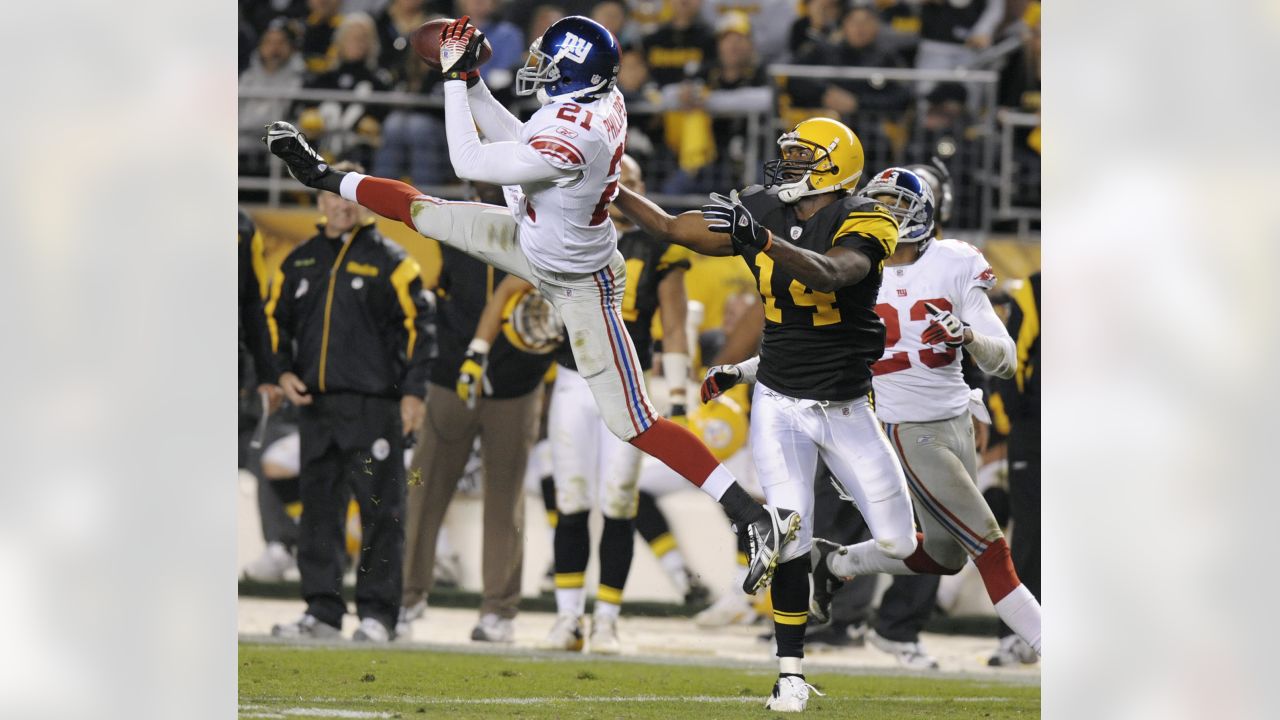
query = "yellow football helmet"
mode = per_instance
[
  {"x": 836, "y": 164},
  {"x": 722, "y": 423},
  {"x": 531, "y": 323}
]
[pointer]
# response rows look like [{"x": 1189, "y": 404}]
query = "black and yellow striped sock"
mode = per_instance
[
  {"x": 790, "y": 593},
  {"x": 616, "y": 550}
]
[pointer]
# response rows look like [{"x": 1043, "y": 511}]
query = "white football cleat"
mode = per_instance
[
  {"x": 372, "y": 630},
  {"x": 604, "y": 636},
  {"x": 272, "y": 564},
  {"x": 1013, "y": 650},
  {"x": 492, "y": 628},
  {"x": 910, "y": 655},
  {"x": 732, "y": 608},
  {"x": 566, "y": 634},
  {"x": 307, "y": 626},
  {"x": 404, "y": 627},
  {"x": 790, "y": 694}
]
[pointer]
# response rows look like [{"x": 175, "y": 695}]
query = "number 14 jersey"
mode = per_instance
[
  {"x": 915, "y": 382},
  {"x": 820, "y": 345}
]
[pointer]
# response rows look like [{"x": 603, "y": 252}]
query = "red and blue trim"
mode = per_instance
[
  {"x": 641, "y": 417},
  {"x": 972, "y": 542}
]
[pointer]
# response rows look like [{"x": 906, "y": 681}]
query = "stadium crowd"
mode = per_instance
[
  {"x": 684, "y": 63},
  {"x": 691, "y": 71}
]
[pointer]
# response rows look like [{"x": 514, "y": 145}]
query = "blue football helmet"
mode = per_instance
[
  {"x": 911, "y": 202},
  {"x": 575, "y": 58}
]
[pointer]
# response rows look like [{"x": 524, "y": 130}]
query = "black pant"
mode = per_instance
[
  {"x": 909, "y": 601},
  {"x": 1024, "y": 505},
  {"x": 352, "y": 445}
]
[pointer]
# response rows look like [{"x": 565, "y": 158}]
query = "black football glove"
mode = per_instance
[{"x": 728, "y": 215}]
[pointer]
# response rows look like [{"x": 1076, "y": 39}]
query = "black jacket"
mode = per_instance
[
  {"x": 254, "y": 340},
  {"x": 369, "y": 331}
]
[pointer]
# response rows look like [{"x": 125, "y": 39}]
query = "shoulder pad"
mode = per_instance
[{"x": 855, "y": 203}]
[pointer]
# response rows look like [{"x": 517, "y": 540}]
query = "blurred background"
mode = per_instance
[{"x": 709, "y": 84}]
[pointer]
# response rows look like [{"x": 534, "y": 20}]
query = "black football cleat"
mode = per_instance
[{"x": 304, "y": 163}]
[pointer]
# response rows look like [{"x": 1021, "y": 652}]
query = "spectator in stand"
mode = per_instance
[
  {"x": 648, "y": 15},
  {"x": 353, "y": 332},
  {"x": 952, "y": 32},
  {"x": 318, "y": 35},
  {"x": 350, "y": 129},
  {"x": 1020, "y": 78},
  {"x": 681, "y": 50},
  {"x": 508, "y": 43},
  {"x": 770, "y": 22},
  {"x": 413, "y": 138},
  {"x": 637, "y": 87},
  {"x": 274, "y": 67},
  {"x": 736, "y": 81},
  {"x": 395, "y": 22},
  {"x": 612, "y": 14},
  {"x": 863, "y": 104},
  {"x": 814, "y": 28}
]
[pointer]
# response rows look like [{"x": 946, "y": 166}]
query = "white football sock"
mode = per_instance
[
  {"x": 673, "y": 563},
  {"x": 571, "y": 601},
  {"x": 607, "y": 609},
  {"x": 865, "y": 558},
  {"x": 1020, "y": 611}
]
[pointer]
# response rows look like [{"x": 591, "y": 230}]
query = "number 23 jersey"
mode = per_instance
[
  {"x": 915, "y": 382},
  {"x": 820, "y": 345}
]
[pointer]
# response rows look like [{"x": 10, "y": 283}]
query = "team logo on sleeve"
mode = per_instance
[
  {"x": 987, "y": 275},
  {"x": 574, "y": 48}
]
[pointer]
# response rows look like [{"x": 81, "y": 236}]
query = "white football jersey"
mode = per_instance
[
  {"x": 564, "y": 224},
  {"x": 915, "y": 382}
]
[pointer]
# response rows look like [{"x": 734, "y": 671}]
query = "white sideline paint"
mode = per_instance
[{"x": 324, "y": 712}]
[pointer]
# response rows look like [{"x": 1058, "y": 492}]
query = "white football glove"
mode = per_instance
[{"x": 944, "y": 328}]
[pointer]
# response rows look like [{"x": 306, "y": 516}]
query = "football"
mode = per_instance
[{"x": 425, "y": 40}]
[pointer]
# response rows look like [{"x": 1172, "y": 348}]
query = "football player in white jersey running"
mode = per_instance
[
  {"x": 559, "y": 170},
  {"x": 934, "y": 306}
]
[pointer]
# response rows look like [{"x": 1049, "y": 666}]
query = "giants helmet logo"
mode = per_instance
[{"x": 574, "y": 48}]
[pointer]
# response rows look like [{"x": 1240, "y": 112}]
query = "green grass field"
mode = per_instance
[{"x": 288, "y": 681}]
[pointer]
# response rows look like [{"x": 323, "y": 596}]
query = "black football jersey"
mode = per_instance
[
  {"x": 820, "y": 345},
  {"x": 648, "y": 262}
]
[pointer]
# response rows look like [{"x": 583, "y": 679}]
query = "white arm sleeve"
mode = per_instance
[
  {"x": 495, "y": 121},
  {"x": 992, "y": 347},
  {"x": 499, "y": 163}
]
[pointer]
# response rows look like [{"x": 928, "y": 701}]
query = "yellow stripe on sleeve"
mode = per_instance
[
  {"x": 674, "y": 255},
  {"x": 879, "y": 226},
  {"x": 1028, "y": 331},
  {"x": 405, "y": 272},
  {"x": 277, "y": 283},
  {"x": 258, "y": 258}
]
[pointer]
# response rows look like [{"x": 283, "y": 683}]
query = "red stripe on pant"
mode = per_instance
[
  {"x": 389, "y": 198},
  {"x": 617, "y": 361},
  {"x": 897, "y": 440},
  {"x": 644, "y": 409}
]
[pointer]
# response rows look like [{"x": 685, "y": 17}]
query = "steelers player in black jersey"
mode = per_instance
[
  {"x": 817, "y": 253},
  {"x": 589, "y": 464}
]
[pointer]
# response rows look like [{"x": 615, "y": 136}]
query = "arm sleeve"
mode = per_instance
[
  {"x": 992, "y": 347},
  {"x": 500, "y": 163},
  {"x": 495, "y": 121},
  {"x": 417, "y": 314}
]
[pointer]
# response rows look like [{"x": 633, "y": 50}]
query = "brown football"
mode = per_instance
[{"x": 425, "y": 40}]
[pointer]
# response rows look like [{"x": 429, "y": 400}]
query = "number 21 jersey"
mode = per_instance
[{"x": 564, "y": 224}]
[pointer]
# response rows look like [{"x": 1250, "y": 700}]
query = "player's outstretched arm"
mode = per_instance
[
  {"x": 839, "y": 267},
  {"x": 688, "y": 229},
  {"x": 499, "y": 163}
]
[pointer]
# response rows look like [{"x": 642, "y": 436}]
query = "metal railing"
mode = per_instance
[
  {"x": 981, "y": 158},
  {"x": 1015, "y": 170}
]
